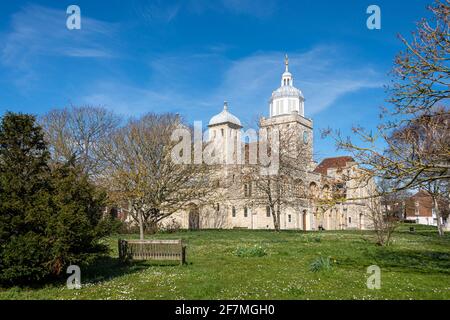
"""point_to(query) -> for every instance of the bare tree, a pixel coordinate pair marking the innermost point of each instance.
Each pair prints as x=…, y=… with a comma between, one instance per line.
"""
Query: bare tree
x=141, y=170
x=412, y=147
x=382, y=219
x=421, y=72
x=439, y=195
x=78, y=133
x=286, y=187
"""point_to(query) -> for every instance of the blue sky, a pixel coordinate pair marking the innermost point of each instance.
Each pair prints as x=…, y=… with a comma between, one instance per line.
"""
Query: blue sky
x=189, y=56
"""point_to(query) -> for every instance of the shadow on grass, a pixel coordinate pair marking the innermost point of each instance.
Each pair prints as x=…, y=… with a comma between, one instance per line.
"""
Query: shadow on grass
x=108, y=268
x=103, y=269
x=417, y=261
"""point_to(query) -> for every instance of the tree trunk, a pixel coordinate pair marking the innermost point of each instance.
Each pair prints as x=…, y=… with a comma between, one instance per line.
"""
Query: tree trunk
x=141, y=225
x=276, y=220
x=276, y=224
x=438, y=216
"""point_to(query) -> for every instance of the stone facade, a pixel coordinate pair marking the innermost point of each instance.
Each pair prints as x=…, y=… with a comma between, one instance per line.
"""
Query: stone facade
x=236, y=205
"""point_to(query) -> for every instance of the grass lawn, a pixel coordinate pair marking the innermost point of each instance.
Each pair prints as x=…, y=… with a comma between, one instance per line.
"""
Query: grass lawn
x=416, y=266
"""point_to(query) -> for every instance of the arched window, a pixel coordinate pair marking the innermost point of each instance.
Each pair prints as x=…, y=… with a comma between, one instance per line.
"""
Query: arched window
x=313, y=190
x=326, y=192
x=300, y=188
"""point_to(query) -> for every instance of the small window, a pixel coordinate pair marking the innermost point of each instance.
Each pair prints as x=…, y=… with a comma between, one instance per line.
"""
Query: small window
x=349, y=219
x=268, y=211
x=221, y=130
x=289, y=218
x=245, y=212
x=305, y=137
x=233, y=212
x=218, y=207
x=248, y=190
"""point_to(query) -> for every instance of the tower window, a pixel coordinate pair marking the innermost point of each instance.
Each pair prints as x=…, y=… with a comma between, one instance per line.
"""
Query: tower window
x=305, y=137
x=289, y=218
x=245, y=212
x=349, y=219
x=221, y=130
x=268, y=212
x=248, y=190
x=233, y=211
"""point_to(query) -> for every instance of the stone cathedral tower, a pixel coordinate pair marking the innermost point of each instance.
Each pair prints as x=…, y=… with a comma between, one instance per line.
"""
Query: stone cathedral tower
x=287, y=111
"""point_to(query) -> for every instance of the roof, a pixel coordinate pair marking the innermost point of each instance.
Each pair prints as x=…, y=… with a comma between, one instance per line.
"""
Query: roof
x=421, y=194
x=224, y=117
x=337, y=162
x=287, y=91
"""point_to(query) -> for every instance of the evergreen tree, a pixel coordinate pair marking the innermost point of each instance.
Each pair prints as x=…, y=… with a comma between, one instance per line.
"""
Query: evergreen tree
x=49, y=217
x=25, y=198
x=78, y=225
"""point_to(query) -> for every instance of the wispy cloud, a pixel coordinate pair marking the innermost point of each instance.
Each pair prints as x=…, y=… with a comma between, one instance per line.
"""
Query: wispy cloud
x=37, y=32
x=157, y=11
x=324, y=74
x=250, y=7
x=196, y=84
x=166, y=10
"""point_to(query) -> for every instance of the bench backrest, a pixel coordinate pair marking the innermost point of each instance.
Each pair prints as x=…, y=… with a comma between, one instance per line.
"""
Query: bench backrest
x=151, y=249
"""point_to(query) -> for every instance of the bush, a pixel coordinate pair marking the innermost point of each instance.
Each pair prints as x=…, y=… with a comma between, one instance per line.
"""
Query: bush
x=170, y=227
x=49, y=218
x=321, y=264
x=255, y=251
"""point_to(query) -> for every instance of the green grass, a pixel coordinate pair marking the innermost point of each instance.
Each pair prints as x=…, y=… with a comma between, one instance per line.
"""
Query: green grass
x=416, y=266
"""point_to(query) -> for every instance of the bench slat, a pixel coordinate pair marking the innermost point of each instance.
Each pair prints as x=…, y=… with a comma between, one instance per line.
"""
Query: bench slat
x=152, y=250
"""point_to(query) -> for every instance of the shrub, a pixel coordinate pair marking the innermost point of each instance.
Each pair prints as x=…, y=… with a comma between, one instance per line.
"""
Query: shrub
x=170, y=227
x=321, y=264
x=49, y=217
x=255, y=251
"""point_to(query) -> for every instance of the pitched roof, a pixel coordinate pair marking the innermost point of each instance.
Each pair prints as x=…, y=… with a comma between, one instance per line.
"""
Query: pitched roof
x=337, y=162
x=421, y=194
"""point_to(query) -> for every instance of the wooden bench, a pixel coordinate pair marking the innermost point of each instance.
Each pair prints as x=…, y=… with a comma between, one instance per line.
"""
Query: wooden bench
x=152, y=250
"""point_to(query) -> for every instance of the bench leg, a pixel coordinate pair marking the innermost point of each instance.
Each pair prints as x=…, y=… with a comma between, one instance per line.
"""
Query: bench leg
x=183, y=255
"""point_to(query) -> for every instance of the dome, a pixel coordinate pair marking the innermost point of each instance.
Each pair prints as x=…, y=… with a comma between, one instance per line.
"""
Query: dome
x=287, y=99
x=224, y=117
x=287, y=91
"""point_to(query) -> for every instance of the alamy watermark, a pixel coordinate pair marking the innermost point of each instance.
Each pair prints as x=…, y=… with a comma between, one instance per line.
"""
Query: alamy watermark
x=74, y=280
x=374, y=280
x=227, y=146
x=374, y=20
x=73, y=21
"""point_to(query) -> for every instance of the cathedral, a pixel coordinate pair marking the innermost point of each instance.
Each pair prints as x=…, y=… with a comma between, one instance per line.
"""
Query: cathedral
x=309, y=203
